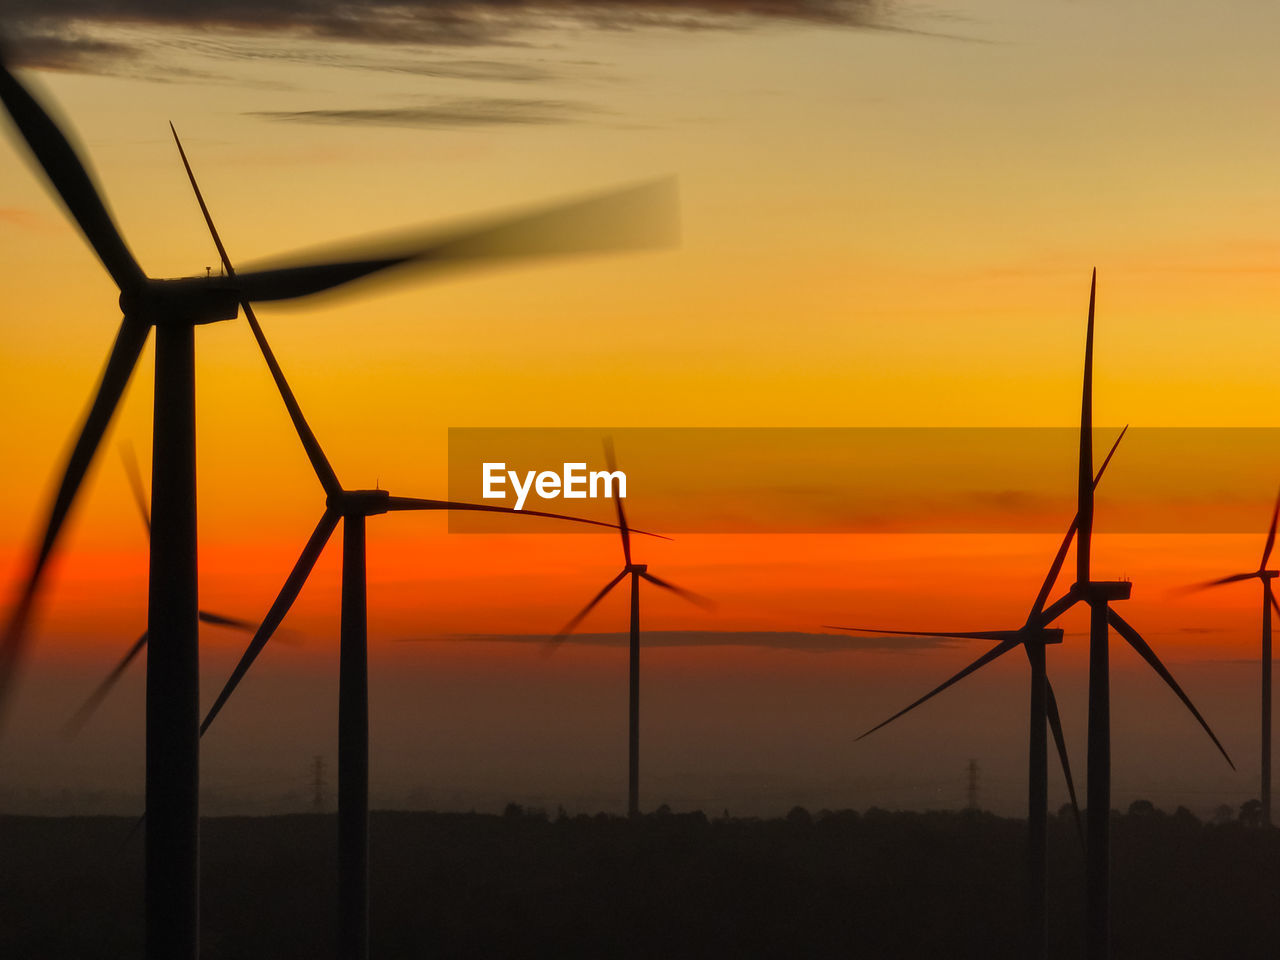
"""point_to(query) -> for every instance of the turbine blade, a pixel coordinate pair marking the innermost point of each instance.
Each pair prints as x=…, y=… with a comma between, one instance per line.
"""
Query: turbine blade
x=1209, y=584
x=998, y=650
x=996, y=635
x=288, y=593
x=220, y=621
x=131, y=470
x=695, y=598
x=1274, y=604
x=120, y=364
x=1055, y=568
x=1059, y=607
x=319, y=462
x=1271, y=536
x=1055, y=726
x=1123, y=628
x=612, y=465
x=1084, y=488
x=1097, y=477
x=70, y=178
x=416, y=503
x=94, y=700
x=572, y=625
x=633, y=218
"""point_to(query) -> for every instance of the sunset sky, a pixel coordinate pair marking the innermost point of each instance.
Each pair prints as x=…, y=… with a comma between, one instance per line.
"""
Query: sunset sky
x=890, y=212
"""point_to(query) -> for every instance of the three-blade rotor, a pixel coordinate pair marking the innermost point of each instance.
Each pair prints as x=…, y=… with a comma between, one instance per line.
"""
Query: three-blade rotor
x=1033, y=631
x=1262, y=573
x=639, y=217
x=1082, y=529
x=629, y=568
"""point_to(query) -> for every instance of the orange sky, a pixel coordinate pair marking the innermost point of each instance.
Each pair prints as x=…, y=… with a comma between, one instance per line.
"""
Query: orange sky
x=880, y=229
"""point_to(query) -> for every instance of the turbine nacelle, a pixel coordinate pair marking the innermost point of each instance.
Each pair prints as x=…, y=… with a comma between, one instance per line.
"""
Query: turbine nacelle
x=360, y=503
x=1042, y=634
x=639, y=568
x=1103, y=590
x=186, y=300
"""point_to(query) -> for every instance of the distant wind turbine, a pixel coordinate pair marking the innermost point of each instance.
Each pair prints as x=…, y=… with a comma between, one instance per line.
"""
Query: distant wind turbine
x=637, y=572
x=1264, y=577
x=100, y=692
x=352, y=507
x=1032, y=636
x=636, y=218
x=1099, y=594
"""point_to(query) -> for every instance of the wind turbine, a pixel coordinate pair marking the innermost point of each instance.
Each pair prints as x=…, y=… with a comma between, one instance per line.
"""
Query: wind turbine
x=1264, y=576
x=1032, y=636
x=637, y=572
x=352, y=507
x=1099, y=594
x=636, y=218
x=94, y=700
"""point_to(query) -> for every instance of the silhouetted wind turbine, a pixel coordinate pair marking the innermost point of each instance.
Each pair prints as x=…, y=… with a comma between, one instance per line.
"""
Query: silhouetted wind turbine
x=1032, y=636
x=637, y=572
x=1099, y=594
x=352, y=507
x=1264, y=576
x=636, y=218
x=94, y=700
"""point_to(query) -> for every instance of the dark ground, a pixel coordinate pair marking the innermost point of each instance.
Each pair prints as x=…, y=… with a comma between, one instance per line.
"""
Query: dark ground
x=877, y=885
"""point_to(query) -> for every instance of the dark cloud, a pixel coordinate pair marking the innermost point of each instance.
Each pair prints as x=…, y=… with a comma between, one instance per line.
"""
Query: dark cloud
x=439, y=20
x=452, y=113
x=71, y=50
x=68, y=34
x=778, y=640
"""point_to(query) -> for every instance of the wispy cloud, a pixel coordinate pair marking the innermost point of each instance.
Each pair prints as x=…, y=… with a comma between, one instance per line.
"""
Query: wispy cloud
x=778, y=640
x=84, y=35
x=452, y=113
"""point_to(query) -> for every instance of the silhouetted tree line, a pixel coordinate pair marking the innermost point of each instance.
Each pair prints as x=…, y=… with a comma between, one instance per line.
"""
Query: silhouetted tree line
x=526, y=883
